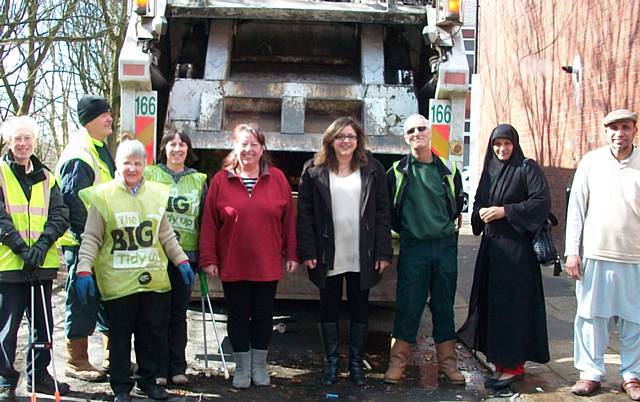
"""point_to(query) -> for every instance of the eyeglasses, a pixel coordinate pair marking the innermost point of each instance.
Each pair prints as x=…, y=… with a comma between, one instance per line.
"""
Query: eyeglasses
x=412, y=130
x=343, y=137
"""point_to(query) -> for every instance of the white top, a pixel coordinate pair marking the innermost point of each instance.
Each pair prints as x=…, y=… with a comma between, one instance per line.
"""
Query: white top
x=345, y=204
x=604, y=208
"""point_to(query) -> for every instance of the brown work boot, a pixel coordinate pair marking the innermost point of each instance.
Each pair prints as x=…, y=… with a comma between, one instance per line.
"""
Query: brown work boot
x=78, y=365
x=398, y=360
x=447, y=367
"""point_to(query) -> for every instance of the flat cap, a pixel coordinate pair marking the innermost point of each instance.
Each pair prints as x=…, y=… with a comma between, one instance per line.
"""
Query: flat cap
x=619, y=114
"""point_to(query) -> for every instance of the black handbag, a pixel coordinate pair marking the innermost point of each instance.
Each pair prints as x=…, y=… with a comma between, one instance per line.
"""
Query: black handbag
x=544, y=247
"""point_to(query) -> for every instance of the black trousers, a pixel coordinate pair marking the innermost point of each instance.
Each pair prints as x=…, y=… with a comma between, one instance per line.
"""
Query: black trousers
x=331, y=297
x=15, y=299
x=144, y=315
x=250, y=313
x=174, y=360
x=81, y=319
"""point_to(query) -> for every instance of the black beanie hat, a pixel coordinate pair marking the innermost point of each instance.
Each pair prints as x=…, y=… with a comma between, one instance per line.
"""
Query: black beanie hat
x=90, y=107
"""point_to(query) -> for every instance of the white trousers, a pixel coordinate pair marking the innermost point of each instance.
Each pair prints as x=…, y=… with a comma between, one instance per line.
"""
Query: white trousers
x=591, y=337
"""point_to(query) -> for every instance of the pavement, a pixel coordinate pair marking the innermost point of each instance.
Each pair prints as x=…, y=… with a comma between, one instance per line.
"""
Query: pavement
x=295, y=355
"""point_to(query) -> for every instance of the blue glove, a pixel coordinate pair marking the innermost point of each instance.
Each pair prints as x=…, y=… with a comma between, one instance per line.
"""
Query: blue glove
x=188, y=277
x=85, y=287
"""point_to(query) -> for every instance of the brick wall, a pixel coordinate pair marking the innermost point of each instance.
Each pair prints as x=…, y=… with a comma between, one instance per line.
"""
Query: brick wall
x=522, y=45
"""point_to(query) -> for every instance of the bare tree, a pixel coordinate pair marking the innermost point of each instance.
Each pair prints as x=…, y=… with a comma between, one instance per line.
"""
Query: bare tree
x=95, y=61
x=51, y=53
x=28, y=30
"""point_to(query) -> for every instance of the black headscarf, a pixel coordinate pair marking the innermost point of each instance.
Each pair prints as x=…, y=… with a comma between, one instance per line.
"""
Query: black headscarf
x=496, y=174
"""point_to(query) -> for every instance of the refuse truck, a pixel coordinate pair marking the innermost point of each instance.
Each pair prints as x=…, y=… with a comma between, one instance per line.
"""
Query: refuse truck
x=292, y=67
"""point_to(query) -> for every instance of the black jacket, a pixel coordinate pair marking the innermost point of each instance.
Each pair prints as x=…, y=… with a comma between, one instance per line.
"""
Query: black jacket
x=315, y=230
x=57, y=219
x=76, y=175
x=454, y=201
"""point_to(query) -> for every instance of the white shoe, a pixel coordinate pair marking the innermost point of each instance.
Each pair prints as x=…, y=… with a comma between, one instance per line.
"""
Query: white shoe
x=161, y=381
x=180, y=379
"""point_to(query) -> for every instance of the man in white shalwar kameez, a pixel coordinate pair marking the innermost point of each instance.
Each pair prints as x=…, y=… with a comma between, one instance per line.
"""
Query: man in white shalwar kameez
x=604, y=217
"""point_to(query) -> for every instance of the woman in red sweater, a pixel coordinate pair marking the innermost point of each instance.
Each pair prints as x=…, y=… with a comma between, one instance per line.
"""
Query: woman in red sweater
x=248, y=226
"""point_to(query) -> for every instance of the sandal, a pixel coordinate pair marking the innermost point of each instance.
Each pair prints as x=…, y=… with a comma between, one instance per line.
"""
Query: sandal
x=632, y=388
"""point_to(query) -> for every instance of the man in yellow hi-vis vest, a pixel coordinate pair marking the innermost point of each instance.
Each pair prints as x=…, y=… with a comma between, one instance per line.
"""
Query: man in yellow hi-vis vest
x=32, y=218
x=426, y=203
x=86, y=161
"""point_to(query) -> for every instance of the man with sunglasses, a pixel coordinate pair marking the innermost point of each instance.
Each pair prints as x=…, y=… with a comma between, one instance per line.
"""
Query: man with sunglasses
x=427, y=200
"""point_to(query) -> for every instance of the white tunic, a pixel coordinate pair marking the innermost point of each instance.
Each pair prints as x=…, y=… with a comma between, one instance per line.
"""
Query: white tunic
x=604, y=208
x=604, y=217
x=345, y=205
x=609, y=289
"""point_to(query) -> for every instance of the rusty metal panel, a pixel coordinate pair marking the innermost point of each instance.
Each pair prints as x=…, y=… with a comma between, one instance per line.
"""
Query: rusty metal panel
x=372, y=54
x=265, y=112
x=219, y=50
x=363, y=11
x=261, y=89
x=211, y=109
x=401, y=103
x=381, y=108
x=296, y=43
x=184, y=100
x=286, y=142
x=374, y=116
x=292, y=116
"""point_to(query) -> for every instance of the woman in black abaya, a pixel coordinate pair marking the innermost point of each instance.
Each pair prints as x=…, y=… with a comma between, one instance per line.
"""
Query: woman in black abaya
x=507, y=319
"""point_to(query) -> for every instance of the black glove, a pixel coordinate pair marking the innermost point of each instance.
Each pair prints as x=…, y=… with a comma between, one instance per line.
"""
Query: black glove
x=31, y=271
x=23, y=252
x=35, y=256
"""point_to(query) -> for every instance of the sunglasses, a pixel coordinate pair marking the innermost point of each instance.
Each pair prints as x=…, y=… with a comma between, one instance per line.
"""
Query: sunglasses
x=413, y=130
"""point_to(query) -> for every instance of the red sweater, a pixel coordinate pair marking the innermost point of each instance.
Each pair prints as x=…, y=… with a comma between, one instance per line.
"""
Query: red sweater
x=247, y=237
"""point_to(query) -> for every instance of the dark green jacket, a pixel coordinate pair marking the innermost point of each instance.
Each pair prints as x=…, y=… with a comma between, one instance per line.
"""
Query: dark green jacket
x=398, y=178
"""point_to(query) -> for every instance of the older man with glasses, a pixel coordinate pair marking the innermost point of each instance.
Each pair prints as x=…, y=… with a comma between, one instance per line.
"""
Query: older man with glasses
x=427, y=200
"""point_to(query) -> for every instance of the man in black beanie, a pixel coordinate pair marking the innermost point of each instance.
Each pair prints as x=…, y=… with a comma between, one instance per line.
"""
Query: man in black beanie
x=84, y=162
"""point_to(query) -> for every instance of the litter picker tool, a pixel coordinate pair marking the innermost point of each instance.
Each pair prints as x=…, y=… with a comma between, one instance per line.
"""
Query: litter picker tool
x=204, y=294
x=47, y=345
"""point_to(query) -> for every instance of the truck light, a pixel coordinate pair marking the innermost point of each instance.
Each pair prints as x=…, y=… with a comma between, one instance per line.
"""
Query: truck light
x=141, y=7
x=452, y=11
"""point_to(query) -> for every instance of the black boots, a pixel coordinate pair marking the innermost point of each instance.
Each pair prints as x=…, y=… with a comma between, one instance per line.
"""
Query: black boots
x=357, y=344
x=329, y=334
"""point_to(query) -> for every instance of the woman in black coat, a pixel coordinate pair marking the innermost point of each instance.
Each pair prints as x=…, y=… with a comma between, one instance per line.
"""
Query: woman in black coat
x=507, y=319
x=343, y=233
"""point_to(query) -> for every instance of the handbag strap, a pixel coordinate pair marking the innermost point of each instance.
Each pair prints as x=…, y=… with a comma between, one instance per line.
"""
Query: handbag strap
x=551, y=219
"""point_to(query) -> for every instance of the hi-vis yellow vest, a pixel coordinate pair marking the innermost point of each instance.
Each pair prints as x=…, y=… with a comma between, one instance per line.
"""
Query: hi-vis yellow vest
x=29, y=216
x=85, y=150
x=131, y=259
x=183, y=208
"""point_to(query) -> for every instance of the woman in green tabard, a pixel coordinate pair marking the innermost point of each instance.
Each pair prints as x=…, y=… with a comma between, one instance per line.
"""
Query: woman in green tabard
x=188, y=191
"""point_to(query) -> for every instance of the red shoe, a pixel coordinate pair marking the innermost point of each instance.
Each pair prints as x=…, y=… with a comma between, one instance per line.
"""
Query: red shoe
x=585, y=387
